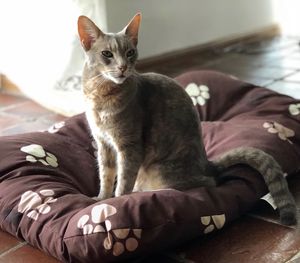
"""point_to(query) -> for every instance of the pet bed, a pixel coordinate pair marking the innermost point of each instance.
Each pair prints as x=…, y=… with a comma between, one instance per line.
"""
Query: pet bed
x=47, y=178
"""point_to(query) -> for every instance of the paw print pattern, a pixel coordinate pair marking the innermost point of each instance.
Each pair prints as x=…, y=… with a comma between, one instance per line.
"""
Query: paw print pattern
x=120, y=240
x=294, y=109
x=198, y=94
x=56, y=127
x=34, y=204
x=99, y=223
x=283, y=132
x=213, y=222
x=36, y=153
x=117, y=240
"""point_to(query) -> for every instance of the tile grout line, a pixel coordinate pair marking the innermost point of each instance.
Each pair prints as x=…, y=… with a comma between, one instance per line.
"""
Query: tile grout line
x=13, y=249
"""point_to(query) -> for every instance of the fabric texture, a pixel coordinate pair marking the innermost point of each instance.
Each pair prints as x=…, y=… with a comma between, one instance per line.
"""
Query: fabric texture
x=47, y=178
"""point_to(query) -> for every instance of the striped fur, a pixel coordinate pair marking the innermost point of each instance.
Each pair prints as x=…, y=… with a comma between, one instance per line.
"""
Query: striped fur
x=272, y=173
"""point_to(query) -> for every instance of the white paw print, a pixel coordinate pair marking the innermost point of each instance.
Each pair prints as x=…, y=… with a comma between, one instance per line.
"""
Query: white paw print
x=99, y=215
x=38, y=154
x=198, y=94
x=283, y=132
x=294, y=109
x=117, y=240
x=56, y=127
x=213, y=222
x=34, y=204
x=120, y=240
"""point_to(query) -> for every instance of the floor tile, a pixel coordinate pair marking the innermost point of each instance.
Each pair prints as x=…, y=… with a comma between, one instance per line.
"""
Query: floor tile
x=239, y=60
x=294, y=56
x=7, y=121
x=273, y=73
x=28, y=109
x=10, y=100
x=27, y=254
x=50, y=119
x=34, y=125
x=269, y=53
x=260, y=72
x=286, y=88
x=245, y=75
x=247, y=240
x=293, y=78
x=287, y=63
x=255, y=80
x=7, y=242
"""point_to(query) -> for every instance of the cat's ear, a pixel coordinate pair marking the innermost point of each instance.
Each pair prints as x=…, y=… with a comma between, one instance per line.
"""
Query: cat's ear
x=132, y=29
x=88, y=32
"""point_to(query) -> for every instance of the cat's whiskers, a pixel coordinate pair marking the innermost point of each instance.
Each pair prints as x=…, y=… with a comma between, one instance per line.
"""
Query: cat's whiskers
x=96, y=77
x=97, y=80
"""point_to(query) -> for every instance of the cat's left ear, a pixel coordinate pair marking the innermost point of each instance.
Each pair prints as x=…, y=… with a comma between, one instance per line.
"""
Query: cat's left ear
x=132, y=29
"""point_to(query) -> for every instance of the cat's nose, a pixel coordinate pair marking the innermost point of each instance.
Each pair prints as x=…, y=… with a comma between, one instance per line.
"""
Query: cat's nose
x=122, y=68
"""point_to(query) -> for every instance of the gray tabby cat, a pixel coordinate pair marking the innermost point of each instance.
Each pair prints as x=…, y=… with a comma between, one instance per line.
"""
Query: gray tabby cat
x=146, y=128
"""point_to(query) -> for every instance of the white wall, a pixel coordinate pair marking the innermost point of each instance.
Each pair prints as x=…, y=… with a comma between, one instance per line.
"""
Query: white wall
x=288, y=16
x=169, y=25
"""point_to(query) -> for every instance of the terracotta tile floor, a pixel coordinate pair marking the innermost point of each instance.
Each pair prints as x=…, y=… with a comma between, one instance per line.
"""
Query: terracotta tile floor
x=272, y=62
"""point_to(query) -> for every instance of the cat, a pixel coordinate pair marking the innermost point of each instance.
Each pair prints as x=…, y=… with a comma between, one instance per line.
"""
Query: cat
x=147, y=129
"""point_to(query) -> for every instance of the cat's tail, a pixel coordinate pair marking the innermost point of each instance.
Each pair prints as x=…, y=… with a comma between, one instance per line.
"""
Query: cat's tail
x=272, y=173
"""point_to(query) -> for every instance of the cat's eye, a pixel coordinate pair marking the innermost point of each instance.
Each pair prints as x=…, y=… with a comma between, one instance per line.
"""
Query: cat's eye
x=107, y=54
x=130, y=53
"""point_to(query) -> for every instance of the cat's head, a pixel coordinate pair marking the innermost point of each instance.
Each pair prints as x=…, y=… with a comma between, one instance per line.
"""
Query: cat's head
x=111, y=54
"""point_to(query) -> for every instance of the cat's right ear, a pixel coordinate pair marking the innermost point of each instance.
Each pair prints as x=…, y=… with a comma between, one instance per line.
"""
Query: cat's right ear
x=88, y=32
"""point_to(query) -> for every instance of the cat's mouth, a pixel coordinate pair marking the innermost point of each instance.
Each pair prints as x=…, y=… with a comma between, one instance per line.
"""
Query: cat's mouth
x=119, y=79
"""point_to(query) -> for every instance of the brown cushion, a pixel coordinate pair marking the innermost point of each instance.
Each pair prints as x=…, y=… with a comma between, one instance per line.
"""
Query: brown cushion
x=47, y=178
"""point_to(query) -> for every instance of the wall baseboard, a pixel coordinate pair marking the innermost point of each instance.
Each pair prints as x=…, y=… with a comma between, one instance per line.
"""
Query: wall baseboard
x=266, y=32
x=7, y=86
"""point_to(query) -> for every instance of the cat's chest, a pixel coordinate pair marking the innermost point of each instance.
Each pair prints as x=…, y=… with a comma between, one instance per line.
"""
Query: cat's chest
x=103, y=127
x=100, y=120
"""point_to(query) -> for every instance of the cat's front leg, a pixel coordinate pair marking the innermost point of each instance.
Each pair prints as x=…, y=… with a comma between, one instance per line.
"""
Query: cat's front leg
x=107, y=170
x=129, y=161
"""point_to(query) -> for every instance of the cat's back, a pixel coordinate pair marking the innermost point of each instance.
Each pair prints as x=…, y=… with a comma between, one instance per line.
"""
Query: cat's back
x=160, y=89
x=167, y=107
x=158, y=82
